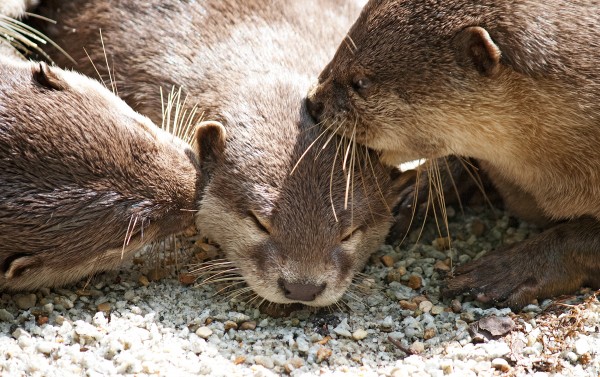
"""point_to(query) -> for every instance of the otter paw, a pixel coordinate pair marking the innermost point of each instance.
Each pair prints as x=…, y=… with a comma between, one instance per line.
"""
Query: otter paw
x=510, y=277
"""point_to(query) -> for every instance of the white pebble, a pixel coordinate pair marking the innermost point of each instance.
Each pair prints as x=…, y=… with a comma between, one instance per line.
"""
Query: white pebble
x=417, y=347
x=582, y=345
x=302, y=344
x=359, y=334
x=204, y=332
x=425, y=306
x=265, y=361
x=45, y=347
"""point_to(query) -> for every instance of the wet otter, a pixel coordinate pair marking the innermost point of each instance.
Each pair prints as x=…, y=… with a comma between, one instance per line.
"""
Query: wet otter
x=513, y=84
x=85, y=179
x=248, y=64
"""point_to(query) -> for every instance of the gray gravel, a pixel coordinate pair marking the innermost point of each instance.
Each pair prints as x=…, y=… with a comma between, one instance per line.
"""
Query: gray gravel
x=394, y=324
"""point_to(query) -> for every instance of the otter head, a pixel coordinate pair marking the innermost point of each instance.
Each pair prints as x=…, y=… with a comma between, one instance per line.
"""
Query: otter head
x=415, y=79
x=297, y=220
x=86, y=179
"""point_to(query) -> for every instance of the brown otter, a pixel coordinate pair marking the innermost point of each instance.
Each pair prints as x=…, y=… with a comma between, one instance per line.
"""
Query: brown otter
x=248, y=64
x=513, y=84
x=85, y=179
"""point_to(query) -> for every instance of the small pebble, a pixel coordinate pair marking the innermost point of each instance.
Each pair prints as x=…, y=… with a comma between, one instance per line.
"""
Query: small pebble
x=417, y=347
x=415, y=282
x=187, y=279
x=323, y=354
x=129, y=295
x=425, y=306
x=26, y=301
x=293, y=364
x=6, y=316
x=501, y=364
x=204, y=332
x=248, y=325
x=456, y=306
x=64, y=302
x=467, y=317
x=429, y=333
x=477, y=227
x=230, y=325
x=442, y=243
x=437, y=309
x=239, y=360
x=441, y=266
x=265, y=361
x=387, y=260
x=45, y=347
x=143, y=280
x=359, y=334
x=104, y=307
x=407, y=305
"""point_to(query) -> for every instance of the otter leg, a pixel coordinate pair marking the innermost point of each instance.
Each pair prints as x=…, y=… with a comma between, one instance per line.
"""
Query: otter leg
x=460, y=180
x=558, y=261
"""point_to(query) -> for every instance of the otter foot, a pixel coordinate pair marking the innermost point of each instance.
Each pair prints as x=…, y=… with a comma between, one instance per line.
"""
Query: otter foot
x=557, y=261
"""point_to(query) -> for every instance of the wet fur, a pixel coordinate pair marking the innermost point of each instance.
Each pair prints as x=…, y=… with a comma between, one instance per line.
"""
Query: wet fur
x=248, y=65
x=513, y=84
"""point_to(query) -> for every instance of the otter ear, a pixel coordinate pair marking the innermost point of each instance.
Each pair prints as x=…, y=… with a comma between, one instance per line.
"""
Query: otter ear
x=45, y=76
x=209, y=143
x=475, y=46
x=17, y=265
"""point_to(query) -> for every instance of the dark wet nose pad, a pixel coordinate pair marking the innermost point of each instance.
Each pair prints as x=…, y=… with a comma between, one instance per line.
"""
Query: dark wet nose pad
x=315, y=108
x=300, y=291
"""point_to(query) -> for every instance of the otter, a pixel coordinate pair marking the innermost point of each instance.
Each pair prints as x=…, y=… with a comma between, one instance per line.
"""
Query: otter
x=513, y=85
x=296, y=221
x=86, y=180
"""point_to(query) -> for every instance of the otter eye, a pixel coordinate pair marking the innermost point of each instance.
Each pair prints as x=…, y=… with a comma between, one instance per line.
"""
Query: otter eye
x=262, y=225
x=350, y=234
x=360, y=84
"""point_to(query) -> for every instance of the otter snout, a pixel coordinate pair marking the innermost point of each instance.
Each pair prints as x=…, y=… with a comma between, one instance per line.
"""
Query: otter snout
x=314, y=106
x=300, y=291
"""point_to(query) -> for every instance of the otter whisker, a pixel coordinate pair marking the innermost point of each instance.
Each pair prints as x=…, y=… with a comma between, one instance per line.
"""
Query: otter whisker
x=333, y=134
x=379, y=190
x=23, y=37
x=238, y=292
x=350, y=171
x=331, y=180
x=110, y=76
x=214, y=274
x=212, y=262
x=209, y=266
x=476, y=178
x=438, y=188
x=307, y=150
x=415, y=201
x=95, y=68
x=453, y=182
x=352, y=46
x=205, y=282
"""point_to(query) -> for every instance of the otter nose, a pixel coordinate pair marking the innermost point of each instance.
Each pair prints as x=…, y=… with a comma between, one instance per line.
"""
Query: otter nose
x=315, y=107
x=300, y=291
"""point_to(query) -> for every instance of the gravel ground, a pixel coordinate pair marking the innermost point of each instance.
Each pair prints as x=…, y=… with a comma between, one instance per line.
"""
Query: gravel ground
x=138, y=322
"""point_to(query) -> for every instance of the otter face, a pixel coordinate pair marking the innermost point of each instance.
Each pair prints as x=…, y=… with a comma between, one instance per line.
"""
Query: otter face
x=286, y=230
x=408, y=80
x=86, y=180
